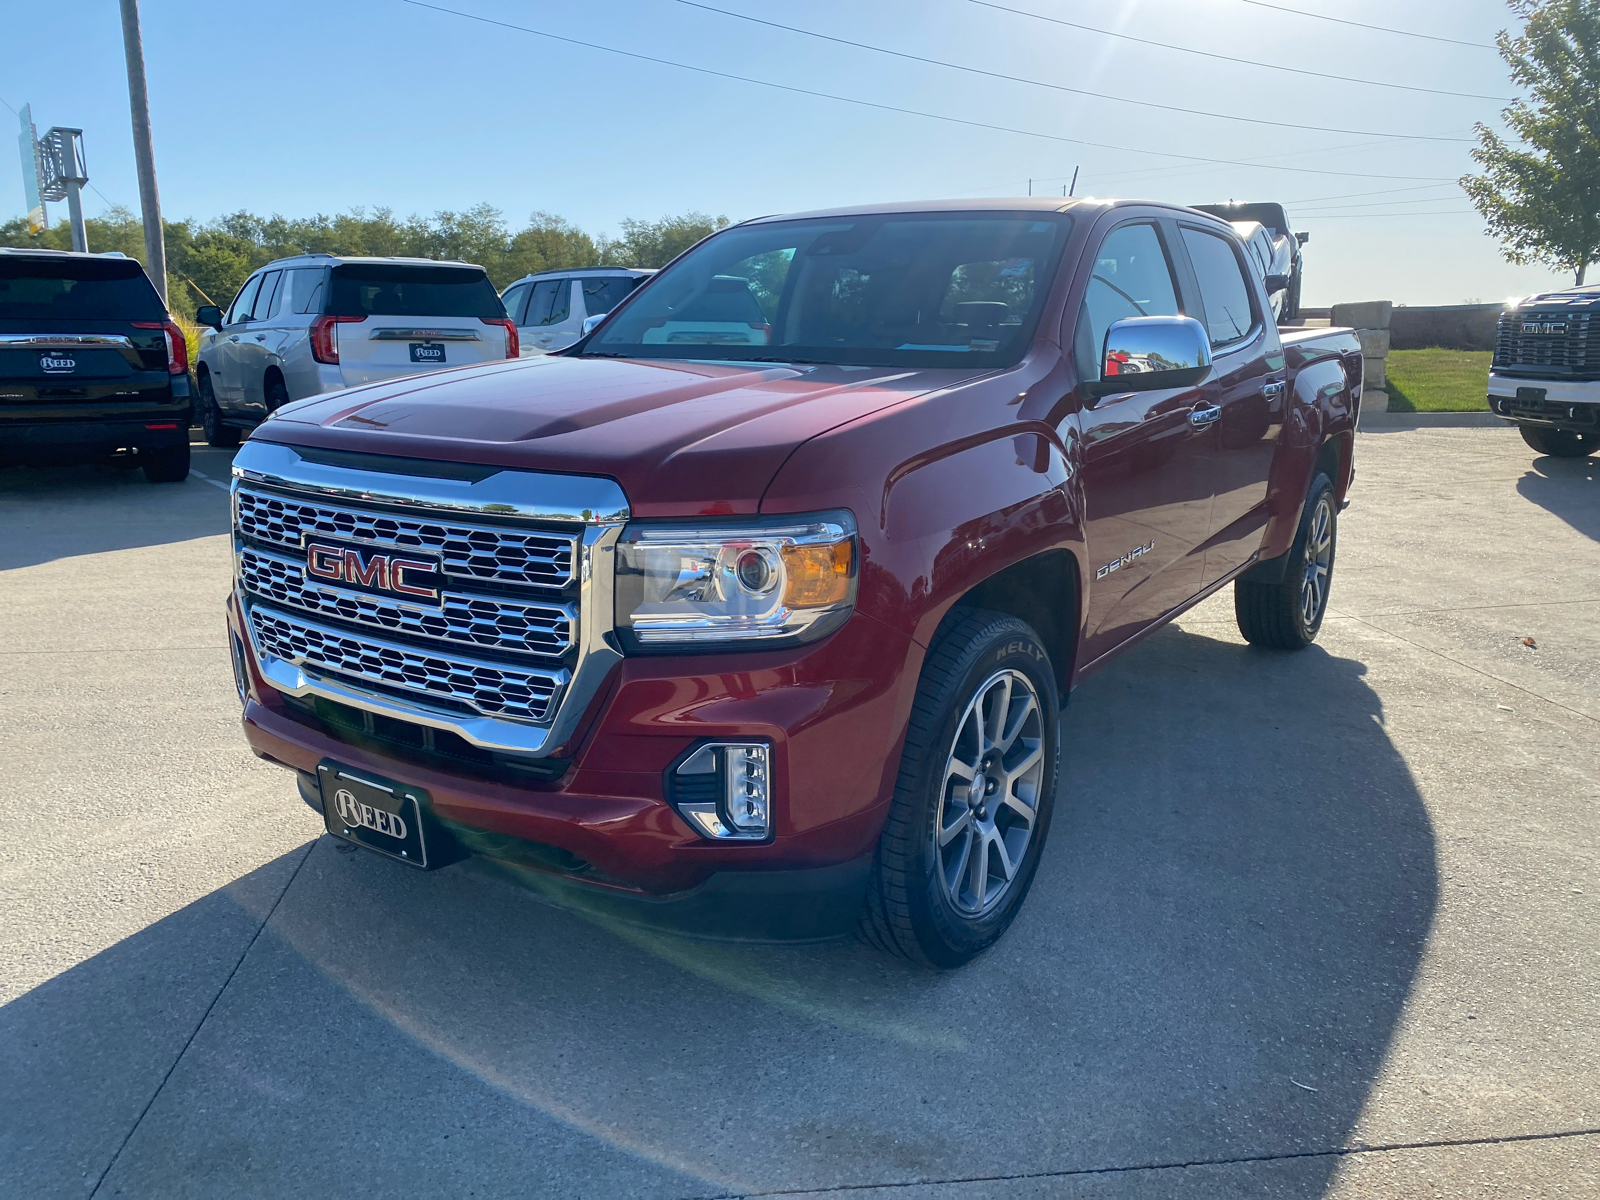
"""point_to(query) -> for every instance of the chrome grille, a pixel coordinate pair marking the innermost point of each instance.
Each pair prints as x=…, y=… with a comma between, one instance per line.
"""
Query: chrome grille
x=492, y=689
x=462, y=619
x=484, y=552
x=1568, y=352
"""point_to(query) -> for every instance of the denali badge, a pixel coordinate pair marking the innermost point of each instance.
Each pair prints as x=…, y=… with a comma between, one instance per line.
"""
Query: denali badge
x=353, y=813
x=379, y=572
x=55, y=364
x=1117, y=564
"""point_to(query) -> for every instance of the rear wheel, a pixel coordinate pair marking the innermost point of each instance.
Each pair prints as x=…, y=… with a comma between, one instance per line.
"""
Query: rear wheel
x=1560, y=443
x=217, y=434
x=276, y=393
x=1287, y=615
x=973, y=800
x=170, y=464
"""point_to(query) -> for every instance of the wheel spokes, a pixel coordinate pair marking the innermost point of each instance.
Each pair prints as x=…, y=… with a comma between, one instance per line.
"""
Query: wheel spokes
x=947, y=833
x=1029, y=706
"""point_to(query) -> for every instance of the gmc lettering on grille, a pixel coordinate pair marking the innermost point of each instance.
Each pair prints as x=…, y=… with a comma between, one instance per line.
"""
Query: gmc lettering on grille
x=341, y=564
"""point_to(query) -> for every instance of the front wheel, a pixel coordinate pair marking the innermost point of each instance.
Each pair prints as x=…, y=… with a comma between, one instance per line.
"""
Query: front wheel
x=1560, y=443
x=217, y=433
x=972, y=803
x=1287, y=615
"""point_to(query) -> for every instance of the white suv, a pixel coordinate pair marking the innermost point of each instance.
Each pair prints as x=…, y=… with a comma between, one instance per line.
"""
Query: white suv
x=550, y=308
x=315, y=323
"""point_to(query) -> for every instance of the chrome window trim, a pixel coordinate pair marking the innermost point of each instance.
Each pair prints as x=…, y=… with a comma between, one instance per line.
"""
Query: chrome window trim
x=534, y=496
x=73, y=341
x=596, y=502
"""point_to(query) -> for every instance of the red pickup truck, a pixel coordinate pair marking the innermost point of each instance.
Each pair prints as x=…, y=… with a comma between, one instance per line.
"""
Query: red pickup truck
x=753, y=613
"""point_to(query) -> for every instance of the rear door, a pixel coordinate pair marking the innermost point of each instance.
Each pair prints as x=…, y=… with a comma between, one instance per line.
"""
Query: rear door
x=413, y=317
x=1146, y=481
x=1245, y=392
x=252, y=351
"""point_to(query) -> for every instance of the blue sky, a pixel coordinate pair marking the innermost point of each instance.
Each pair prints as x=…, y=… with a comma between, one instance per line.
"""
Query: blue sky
x=299, y=107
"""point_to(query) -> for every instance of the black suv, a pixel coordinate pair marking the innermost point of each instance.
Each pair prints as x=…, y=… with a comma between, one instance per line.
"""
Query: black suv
x=91, y=365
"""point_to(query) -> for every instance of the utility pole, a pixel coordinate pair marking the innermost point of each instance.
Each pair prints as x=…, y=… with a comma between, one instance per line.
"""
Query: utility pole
x=155, y=241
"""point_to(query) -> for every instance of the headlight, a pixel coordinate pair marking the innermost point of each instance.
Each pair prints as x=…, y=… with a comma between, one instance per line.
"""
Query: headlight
x=781, y=579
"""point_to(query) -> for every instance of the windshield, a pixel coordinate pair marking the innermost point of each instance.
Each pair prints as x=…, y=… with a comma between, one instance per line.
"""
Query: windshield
x=80, y=289
x=376, y=290
x=939, y=290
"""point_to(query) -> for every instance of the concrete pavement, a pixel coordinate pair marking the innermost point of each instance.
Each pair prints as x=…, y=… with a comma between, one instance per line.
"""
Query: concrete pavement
x=1319, y=925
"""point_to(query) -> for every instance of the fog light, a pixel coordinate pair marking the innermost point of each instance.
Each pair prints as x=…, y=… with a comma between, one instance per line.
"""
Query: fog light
x=724, y=790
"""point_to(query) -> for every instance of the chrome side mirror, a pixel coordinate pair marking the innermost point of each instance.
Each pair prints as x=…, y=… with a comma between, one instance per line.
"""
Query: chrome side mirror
x=590, y=322
x=1145, y=354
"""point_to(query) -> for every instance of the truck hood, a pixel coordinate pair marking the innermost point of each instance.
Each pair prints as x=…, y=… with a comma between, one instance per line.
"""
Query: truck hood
x=682, y=438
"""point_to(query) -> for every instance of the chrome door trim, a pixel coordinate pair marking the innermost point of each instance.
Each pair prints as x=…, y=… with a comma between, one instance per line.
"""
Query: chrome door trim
x=530, y=495
x=73, y=341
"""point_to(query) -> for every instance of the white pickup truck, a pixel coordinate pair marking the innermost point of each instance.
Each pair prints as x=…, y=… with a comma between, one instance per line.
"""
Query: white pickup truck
x=1546, y=374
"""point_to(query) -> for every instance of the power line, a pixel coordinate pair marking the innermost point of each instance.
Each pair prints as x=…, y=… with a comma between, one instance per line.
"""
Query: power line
x=1247, y=62
x=1446, y=212
x=1056, y=87
x=911, y=112
x=1384, y=203
x=1300, y=12
x=1380, y=192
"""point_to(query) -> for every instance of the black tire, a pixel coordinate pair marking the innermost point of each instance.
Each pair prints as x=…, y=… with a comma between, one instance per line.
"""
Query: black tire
x=276, y=393
x=1560, y=443
x=167, y=465
x=920, y=882
x=217, y=433
x=1283, y=616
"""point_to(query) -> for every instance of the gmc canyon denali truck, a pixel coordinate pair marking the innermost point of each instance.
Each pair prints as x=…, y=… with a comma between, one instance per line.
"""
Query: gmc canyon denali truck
x=753, y=612
x=91, y=366
x=1545, y=378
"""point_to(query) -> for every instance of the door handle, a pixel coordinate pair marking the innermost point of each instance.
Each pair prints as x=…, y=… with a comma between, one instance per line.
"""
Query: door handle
x=1274, y=388
x=1201, y=417
x=233, y=337
x=261, y=337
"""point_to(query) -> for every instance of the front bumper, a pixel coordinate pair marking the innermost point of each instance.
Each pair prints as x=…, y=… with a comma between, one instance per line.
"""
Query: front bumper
x=1547, y=403
x=600, y=835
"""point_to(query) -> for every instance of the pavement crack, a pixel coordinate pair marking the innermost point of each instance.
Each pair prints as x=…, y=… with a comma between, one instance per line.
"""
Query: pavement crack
x=1336, y=1152
x=1400, y=637
x=204, y=1017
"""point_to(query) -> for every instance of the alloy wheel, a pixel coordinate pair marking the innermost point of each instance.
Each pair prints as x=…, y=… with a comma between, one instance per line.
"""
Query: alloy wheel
x=1319, y=561
x=989, y=797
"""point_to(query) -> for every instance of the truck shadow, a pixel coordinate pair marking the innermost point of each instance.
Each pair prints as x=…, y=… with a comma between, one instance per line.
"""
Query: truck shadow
x=66, y=511
x=1567, y=487
x=1212, y=962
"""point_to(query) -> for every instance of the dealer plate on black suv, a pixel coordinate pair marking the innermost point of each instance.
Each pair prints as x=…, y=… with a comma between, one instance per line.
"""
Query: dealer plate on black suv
x=427, y=352
x=374, y=812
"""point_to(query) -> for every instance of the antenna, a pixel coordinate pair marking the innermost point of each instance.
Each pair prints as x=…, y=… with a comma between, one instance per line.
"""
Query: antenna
x=1072, y=191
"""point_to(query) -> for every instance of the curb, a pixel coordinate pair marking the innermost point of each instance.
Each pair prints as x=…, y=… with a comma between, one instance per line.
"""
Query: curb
x=1374, y=421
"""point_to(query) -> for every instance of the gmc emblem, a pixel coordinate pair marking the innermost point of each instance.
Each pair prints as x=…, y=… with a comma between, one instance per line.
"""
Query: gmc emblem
x=379, y=572
x=1544, y=327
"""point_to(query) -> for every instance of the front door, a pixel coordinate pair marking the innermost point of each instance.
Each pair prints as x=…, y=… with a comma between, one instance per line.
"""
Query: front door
x=253, y=348
x=1246, y=392
x=1147, y=478
x=227, y=381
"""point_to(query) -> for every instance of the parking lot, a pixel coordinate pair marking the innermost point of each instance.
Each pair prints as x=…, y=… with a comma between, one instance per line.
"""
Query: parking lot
x=1313, y=924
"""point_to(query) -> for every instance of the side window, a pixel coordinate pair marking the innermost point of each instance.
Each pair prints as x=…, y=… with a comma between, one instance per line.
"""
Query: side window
x=513, y=299
x=243, y=301
x=603, y=293
x=1131, y=278
x=303, y=288
x=267, y=299
x=560, y=303
x=540, y=299
x=1223, y=288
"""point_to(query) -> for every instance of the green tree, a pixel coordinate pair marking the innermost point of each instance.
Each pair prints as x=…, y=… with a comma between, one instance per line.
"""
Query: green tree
x=656, y=243
x=1542, y=198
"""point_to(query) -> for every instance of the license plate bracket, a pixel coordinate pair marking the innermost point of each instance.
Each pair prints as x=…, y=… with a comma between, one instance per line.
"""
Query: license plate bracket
x=374, y=812
x=427, y=352
x=1528, y=397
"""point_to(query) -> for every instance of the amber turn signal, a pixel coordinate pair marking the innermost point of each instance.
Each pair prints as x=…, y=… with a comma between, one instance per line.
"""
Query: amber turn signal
x=817, y=575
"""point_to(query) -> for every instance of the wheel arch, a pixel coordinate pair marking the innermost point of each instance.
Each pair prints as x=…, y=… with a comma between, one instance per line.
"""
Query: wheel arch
x=1045, y=590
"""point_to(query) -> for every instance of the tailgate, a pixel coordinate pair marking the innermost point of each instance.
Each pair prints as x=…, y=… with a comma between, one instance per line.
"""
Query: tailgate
x=384, y=347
